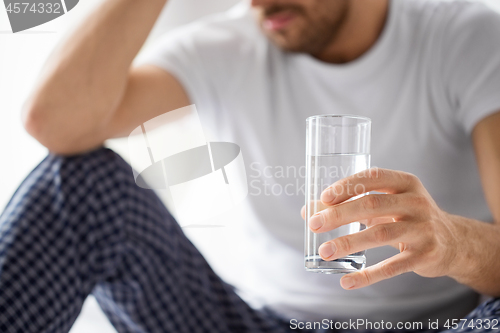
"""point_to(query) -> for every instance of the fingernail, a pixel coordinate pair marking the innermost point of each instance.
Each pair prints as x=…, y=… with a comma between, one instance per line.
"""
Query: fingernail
x=347, y=282
x=328, y=195
x=316, y=222
x=326, y=250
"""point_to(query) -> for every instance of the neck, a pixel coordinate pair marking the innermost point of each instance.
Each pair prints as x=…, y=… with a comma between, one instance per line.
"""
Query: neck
x=362, y=27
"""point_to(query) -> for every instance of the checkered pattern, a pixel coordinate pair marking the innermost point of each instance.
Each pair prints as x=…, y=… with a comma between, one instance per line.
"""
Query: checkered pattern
x=79, y=225
x=484, y=318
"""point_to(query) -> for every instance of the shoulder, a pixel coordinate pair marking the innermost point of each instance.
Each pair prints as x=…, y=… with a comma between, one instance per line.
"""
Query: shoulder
x=470, y=36
x=453, y=33
x=471, y=20
x=228, y=33
x=458, y=20
x=465, y=47
x=213, y=55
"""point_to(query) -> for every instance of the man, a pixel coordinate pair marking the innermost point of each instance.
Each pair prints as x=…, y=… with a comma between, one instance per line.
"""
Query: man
x=426, y=73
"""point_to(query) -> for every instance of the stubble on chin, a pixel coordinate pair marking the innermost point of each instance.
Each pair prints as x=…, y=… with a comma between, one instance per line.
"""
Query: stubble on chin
x=309, y=34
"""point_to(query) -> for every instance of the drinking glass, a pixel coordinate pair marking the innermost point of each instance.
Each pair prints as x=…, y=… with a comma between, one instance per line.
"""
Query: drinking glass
x=337, y=146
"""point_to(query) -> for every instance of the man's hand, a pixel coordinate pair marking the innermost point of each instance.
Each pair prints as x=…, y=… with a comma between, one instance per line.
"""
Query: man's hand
x=431, y=242
x=406, y=216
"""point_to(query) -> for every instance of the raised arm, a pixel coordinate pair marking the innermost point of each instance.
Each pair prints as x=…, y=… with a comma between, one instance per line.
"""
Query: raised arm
x=88, y=92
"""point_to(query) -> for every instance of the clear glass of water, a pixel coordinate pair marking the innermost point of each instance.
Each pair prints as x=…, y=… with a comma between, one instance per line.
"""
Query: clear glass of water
x=337, y=146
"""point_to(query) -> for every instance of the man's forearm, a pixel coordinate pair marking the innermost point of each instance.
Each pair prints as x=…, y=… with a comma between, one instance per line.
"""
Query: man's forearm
x=477, y=264
x=86, y=76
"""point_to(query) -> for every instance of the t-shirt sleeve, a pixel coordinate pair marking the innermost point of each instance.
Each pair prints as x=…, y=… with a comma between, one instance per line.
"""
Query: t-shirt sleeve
x=178, y=53
x=472, y=64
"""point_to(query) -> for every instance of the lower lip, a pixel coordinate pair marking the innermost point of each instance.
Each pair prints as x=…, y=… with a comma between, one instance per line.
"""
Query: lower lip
x=277, y=23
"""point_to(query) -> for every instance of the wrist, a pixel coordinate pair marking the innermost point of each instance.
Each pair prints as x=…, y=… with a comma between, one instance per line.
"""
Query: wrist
x=464, y=264
x=476, y=245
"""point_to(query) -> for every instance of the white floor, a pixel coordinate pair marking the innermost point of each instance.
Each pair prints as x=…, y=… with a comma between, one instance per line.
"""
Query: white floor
x=92, y=319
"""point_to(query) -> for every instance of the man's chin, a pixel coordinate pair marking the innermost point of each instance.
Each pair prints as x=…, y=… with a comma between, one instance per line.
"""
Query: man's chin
x=286, y=44
x=288, y=39
x=281, y=39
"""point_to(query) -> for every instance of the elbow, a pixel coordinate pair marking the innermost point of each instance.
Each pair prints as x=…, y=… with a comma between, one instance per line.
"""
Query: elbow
x=36, y=121
x=60, y=131
x=32, y=120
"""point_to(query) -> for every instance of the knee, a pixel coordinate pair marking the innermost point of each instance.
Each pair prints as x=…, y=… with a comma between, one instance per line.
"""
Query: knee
x=63, y=189
x=67, y=212
x=96, y=166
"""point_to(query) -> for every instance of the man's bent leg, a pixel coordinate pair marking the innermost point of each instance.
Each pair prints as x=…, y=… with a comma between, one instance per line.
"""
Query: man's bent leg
x=78, y=224
x=484, y=318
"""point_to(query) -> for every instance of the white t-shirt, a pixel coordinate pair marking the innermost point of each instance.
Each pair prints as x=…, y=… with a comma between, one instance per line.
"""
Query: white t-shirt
x=431, y=76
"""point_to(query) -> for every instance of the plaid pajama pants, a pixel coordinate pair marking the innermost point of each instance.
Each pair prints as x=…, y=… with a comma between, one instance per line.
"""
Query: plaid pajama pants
x=79, y=225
